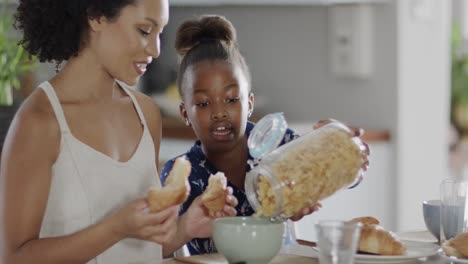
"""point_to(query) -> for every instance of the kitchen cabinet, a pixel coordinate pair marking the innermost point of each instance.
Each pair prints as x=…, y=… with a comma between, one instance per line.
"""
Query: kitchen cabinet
x=175, y=129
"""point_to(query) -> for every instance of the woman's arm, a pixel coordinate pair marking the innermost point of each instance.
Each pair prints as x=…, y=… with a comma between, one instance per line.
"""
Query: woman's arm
x=30, y=150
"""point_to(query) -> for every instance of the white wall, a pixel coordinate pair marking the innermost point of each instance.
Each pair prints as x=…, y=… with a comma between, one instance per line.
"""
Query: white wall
x=423, y=108
x=287, y=50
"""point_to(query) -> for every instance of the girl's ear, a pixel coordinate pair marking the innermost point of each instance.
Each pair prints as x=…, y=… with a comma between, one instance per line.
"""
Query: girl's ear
x=251, y=103
x=183, y=113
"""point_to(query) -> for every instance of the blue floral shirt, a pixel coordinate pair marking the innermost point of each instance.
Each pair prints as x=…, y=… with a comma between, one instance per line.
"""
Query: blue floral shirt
x=201, y=170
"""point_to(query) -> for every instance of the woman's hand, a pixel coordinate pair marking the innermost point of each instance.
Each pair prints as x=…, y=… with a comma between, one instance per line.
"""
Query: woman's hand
x=306, y=211
x=136, y=221
x=198, y=222
x=230, y=206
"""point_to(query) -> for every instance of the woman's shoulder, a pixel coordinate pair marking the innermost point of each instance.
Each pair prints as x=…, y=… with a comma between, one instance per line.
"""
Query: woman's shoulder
x=147, y=104
x=151, y=112
x=35, y=126
x=36, y=111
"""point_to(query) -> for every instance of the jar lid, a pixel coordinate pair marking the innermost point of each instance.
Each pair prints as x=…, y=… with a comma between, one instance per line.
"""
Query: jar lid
x=267, y=134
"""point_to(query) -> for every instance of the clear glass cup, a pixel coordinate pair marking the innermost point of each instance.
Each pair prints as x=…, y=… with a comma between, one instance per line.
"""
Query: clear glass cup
x=453, y=208
x=337, y=241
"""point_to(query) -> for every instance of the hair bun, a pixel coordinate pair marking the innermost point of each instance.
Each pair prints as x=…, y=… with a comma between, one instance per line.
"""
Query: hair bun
x=204, y=28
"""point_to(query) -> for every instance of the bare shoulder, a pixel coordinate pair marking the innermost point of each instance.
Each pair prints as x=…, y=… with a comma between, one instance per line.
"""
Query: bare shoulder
x=150, y=110
x=37, y=111
x=34, y=128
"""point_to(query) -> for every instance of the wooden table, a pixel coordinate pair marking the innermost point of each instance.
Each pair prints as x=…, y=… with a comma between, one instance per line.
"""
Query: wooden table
x=218, y=259
x=281, y=258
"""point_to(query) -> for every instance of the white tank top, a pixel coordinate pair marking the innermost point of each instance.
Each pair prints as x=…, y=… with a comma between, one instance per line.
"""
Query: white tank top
x=87, y=185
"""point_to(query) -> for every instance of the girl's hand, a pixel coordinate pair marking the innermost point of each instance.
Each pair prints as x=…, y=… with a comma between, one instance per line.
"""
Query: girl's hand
x=306, y=211
x=136, y=221
x=198, y=222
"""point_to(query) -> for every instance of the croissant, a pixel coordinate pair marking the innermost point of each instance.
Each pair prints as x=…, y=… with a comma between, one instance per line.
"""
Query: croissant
x=366, y=220
x=457, y=246
x=214, y=196
x=176, y=190
x=375, y=239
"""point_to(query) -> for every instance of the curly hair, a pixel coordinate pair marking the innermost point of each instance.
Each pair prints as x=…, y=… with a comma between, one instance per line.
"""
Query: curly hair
x=208, y=37
x=55, y=30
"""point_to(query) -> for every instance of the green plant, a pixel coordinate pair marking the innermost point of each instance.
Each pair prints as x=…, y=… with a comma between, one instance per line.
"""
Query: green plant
x=459, y=81
x=459, y=67
x=14, y=60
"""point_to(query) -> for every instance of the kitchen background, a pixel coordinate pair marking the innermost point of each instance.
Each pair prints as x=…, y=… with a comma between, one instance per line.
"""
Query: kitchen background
x=380, y=65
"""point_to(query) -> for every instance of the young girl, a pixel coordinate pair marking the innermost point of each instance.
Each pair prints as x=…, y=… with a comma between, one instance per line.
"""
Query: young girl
x=82, y=150
x=214, y=83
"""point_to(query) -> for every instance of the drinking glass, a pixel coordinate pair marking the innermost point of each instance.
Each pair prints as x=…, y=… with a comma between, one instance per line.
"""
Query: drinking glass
x=453, y=208
x=337, y=241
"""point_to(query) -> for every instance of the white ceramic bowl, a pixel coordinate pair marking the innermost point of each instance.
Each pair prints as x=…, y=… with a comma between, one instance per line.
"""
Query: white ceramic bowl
x=249, y=240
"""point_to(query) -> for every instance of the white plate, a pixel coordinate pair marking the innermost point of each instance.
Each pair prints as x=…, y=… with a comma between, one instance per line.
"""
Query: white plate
x=452, y=259
x=419, y=236
x=414, y=250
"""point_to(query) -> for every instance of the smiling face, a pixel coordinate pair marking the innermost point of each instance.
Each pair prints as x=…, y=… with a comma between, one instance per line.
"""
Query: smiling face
x=124, y=46
x=216, y=102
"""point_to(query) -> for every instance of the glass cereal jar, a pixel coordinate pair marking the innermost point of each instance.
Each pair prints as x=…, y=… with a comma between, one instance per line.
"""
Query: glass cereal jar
x=284, y=180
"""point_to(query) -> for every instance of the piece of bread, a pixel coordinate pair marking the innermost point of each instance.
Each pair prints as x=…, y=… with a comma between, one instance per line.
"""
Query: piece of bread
x=176, y=189
x=457, y=246
x=450, y=251
x=214, y=197
x=376, y=240
x=366, y=220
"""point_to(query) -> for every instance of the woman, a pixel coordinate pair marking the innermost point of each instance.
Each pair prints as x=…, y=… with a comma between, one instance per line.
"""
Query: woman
x=82, y=150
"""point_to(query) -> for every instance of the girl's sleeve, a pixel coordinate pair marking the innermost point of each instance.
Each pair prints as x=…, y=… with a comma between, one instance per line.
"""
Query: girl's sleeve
x=165, y=171
x=289, y=135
